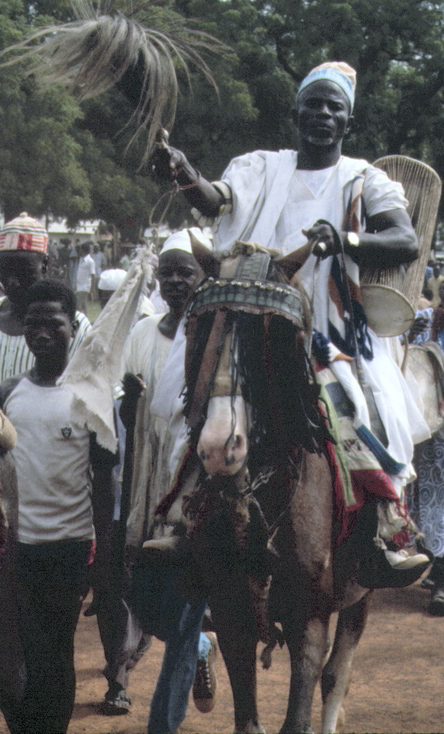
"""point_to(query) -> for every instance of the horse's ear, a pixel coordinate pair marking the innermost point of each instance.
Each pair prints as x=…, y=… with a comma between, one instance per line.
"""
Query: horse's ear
x=291, y=263
x=207, y=261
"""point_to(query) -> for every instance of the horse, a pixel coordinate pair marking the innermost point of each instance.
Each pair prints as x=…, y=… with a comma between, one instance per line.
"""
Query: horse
x=261, y=516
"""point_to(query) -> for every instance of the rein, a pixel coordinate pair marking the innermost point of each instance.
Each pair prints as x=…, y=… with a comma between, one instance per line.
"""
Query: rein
x=263, y=478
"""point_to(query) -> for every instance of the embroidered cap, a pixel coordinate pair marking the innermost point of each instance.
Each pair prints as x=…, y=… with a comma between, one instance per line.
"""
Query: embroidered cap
x=333, y=71
x=24, y=233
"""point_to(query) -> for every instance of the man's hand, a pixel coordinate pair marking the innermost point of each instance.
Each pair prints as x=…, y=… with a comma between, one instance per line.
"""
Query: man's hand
x=168, y=163
x=419, y=325
x=133, y=386
x=325, y=245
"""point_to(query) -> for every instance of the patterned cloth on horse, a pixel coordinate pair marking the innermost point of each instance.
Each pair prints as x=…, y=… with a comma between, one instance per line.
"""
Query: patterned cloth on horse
x=358, y=476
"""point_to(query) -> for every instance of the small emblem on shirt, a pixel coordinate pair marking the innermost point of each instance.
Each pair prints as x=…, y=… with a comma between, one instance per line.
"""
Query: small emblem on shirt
x=66, y=431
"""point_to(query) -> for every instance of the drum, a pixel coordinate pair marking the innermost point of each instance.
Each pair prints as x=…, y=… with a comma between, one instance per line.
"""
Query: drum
x=387, y=291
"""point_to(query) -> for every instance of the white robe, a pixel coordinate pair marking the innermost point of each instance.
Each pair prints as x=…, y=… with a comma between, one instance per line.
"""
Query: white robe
x=271, y=204
x=146, y=353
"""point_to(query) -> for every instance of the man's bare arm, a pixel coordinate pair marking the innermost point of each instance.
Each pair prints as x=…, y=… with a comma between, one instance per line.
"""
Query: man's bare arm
x=389, y=240
x=170, y=164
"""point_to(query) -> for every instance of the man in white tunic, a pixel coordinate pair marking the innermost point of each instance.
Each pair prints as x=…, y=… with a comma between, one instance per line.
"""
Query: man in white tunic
x=281, y=198
x=189, y=653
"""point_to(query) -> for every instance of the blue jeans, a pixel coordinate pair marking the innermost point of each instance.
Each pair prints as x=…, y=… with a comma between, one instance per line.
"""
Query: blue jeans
x=184, y=644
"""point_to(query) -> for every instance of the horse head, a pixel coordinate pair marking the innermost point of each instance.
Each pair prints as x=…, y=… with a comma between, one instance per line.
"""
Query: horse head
x=249, y=385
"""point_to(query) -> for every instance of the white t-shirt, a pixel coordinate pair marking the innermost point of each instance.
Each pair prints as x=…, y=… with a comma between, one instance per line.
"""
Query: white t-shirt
x=52, y=459
x=85, y=271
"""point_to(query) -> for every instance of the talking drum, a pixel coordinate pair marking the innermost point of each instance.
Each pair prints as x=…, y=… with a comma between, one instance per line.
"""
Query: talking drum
x=390, y=295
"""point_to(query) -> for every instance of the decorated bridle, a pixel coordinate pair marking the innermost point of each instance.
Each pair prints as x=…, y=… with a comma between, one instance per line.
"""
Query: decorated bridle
x=241, y=286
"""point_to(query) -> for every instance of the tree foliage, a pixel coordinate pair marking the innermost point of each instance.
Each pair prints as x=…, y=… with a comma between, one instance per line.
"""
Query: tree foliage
x=63, y=159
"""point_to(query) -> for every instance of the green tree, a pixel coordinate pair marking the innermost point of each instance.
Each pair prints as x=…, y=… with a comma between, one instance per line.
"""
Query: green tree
x=65, y=159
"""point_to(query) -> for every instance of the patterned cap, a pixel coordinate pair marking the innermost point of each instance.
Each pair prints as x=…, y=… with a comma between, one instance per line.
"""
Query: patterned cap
x=334, y=71
x=24, y=233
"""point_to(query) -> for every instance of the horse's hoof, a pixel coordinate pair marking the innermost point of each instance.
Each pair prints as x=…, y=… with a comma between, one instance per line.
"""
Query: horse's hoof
x=341, y=719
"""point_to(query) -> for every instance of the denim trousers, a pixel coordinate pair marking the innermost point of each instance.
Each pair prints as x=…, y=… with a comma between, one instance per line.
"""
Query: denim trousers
x=184, y=642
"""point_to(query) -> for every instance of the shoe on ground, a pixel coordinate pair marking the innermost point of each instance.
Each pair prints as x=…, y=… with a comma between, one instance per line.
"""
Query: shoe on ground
x=428, y=583
x=116, y=704
x=402, y=561
x=436, y=606
x=205, y=681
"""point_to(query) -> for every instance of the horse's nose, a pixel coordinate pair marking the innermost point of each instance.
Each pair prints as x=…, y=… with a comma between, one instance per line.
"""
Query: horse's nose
x=222, y=457
x=235, y=450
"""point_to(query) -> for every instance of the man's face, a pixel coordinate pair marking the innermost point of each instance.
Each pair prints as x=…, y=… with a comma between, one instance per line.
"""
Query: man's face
x=322, y=114
x=48, y=330
x=18, y=271
x=436, y=271
x=178, y=275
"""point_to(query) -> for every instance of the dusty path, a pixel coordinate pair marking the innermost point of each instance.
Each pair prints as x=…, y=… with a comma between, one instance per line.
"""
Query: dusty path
x=397, y=686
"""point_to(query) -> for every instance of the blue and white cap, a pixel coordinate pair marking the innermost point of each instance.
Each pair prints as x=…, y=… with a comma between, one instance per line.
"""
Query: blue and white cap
x=334, y=71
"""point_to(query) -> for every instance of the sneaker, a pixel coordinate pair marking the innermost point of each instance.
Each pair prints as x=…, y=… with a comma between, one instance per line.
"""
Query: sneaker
x=427, y=583
x=402, y=561
x=436, y=606
x=205, y=680
x=116, y=704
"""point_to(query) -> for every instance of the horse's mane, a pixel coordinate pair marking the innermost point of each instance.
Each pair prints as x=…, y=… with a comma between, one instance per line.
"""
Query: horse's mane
x=271, y=365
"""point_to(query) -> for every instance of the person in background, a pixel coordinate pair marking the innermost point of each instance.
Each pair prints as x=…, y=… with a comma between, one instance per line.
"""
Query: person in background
x=426, y=498
x=101, y=263
x=53, y=254
x=425, y=300
x=428, y=272
x=434, y=282
x=53, y=460
x=125, y=261
x=109, y=282
x=85, y=274
x=190, y=654
x=23, y=261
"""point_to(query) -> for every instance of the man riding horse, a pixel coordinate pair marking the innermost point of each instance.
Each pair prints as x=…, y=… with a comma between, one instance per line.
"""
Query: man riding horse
x=353, y=215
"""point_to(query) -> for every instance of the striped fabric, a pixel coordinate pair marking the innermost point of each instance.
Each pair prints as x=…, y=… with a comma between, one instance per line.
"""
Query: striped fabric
x=15, y=357
x=340, y=325
x=24, y=233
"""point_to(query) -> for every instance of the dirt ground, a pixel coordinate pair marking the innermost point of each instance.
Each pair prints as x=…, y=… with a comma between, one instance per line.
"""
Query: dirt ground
x=397, y=684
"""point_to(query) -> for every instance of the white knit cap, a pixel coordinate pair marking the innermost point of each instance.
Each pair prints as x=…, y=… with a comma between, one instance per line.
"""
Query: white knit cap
x=182, y=240
x=110, y=280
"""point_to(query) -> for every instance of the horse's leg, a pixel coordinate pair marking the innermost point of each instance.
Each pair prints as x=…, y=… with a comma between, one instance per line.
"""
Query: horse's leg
x=336, y=674
x=238, y=641
x=306, y=643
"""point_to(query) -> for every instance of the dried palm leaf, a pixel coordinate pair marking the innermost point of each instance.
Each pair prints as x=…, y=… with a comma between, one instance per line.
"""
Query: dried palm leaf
x=96, y=52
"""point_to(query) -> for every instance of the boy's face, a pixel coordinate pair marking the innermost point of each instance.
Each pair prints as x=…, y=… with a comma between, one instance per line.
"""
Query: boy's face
x=18, y=271
x=48, y=330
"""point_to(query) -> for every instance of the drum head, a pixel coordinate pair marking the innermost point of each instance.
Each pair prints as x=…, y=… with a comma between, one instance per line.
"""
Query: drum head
x=388, y=312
